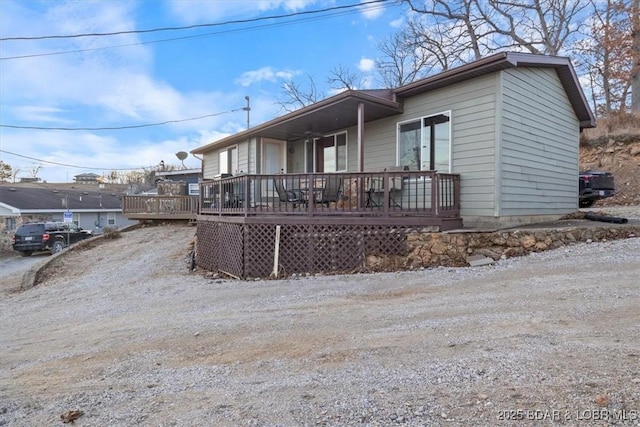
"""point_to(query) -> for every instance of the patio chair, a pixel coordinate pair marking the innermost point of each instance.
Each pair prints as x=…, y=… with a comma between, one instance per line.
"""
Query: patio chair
x=376, y=186
x=331, y=191
x=295, y=197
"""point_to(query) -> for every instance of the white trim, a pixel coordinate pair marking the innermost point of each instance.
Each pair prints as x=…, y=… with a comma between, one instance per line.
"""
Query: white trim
x=346, y=148
x=497, y=169
x=115, y=219
x=13, y=209
x=227, y=149
x=193, y=189
x=449, y=113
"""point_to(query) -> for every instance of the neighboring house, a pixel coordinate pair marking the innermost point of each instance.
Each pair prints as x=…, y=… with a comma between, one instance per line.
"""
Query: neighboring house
x=491, y=144
x=189, y=177
x=86, y=178
x=90, y=210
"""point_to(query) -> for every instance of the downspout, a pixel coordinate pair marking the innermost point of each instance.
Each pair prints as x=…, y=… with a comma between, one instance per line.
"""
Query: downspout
x=201, y=164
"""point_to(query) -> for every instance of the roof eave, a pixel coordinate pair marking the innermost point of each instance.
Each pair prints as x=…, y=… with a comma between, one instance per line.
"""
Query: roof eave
x=388, y=100
x=504, y=60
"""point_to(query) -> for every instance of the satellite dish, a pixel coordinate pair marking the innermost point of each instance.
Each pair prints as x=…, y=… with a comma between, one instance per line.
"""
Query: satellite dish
x=181, y=155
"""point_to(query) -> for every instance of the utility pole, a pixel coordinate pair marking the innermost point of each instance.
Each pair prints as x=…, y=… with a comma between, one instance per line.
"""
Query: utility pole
x=247, y=109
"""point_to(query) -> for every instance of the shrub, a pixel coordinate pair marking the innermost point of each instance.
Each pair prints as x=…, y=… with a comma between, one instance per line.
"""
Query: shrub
x=620, y=127
x=111, y=233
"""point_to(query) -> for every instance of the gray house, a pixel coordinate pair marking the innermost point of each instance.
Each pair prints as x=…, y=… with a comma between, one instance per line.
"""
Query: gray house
x=491, y=144
x=90, y=210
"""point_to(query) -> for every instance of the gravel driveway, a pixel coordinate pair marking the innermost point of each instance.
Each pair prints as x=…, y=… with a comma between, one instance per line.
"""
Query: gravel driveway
x=133, y=338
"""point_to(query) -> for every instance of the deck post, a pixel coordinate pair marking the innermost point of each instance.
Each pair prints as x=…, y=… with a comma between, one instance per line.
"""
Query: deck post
x=361, y=153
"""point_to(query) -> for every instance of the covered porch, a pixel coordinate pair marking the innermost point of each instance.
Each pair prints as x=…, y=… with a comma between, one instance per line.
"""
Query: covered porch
x=387, y=197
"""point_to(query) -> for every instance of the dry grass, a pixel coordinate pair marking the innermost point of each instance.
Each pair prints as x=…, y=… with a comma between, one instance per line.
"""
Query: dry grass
x=620, y=127
x=111, y=233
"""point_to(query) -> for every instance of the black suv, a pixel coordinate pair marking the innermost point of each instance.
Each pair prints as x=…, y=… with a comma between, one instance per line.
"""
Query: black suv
x=595, y=185
x=52, y=236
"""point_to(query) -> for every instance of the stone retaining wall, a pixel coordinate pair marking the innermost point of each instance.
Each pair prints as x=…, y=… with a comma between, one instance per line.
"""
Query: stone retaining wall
x=427, y=249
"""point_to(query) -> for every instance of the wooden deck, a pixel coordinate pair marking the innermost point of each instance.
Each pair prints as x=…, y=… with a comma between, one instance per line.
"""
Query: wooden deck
x=418, y=198
x=160, y=207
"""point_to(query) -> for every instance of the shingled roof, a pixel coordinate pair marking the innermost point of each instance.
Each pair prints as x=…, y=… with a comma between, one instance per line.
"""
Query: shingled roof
x=38, y=199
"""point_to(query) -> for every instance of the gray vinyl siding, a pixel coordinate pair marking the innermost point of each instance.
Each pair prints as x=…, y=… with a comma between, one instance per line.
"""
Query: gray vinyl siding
x=210, y=165
x=243, y=158
x=251, y=156
x=540, y=143
x=473, y=126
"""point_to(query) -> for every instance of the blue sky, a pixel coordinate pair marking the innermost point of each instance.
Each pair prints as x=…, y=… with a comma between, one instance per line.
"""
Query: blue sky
x=108, y=85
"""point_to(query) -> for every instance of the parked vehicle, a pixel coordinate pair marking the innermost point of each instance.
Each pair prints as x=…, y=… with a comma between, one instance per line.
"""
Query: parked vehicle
x=51, y=236
x=595, y=185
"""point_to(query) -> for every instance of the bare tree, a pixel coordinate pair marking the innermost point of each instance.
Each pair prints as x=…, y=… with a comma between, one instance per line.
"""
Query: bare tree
x=537, y=26
x=14, y=174
x=605, y=56
x=401, y=63
x=35, y=169
x=297, y=97
x=342, y=78
x=635, y=72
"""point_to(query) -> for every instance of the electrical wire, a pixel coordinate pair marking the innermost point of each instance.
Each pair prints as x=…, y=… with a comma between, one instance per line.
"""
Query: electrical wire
x=258, y=27
x=73, y=166
x=120, y=127
x=188, y=27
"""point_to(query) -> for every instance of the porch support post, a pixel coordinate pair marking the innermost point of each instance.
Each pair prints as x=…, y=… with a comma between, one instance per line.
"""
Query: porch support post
x=361, y=183
x=361, y=137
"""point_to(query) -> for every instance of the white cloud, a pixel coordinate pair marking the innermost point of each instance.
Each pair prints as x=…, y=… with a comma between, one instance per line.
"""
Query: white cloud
x=206, y=10
x=397, y=23
x=371, y=11
x=366, y=65
x=39, y=114
x=265, y=73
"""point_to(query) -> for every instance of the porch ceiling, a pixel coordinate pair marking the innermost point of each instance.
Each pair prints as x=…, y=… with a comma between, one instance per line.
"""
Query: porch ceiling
x=337, y=116
x=330, y=115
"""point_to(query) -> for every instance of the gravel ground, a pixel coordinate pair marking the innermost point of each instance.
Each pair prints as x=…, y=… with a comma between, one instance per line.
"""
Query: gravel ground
x=125, y=334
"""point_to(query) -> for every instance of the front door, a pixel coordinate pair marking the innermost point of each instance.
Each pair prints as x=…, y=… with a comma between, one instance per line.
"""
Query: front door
x=273, y=157
x=273, y=162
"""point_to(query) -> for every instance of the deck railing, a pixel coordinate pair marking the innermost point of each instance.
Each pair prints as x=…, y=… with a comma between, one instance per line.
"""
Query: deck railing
x=158, y=207
x=381, y=194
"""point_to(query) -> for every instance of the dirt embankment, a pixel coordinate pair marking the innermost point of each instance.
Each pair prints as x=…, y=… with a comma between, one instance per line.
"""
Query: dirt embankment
x=615, y=147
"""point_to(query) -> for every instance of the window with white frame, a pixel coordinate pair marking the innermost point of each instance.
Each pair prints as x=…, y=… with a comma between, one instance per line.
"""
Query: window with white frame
x=194, y=189
x=331, y=153
x=111, y=219
x=425, y=143
x=228, y=160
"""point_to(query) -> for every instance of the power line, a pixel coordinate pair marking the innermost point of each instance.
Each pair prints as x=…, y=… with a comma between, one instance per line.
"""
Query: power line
x=239, y=21
x=258, y=27
x=72, y=166
x=120, y=127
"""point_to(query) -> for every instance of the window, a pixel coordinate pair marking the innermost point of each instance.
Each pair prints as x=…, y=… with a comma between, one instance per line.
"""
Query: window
x=228, y=160
x=10, y=223
x=425, y=143
x=194, y=189
x=331, y=153
x=111, y=219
